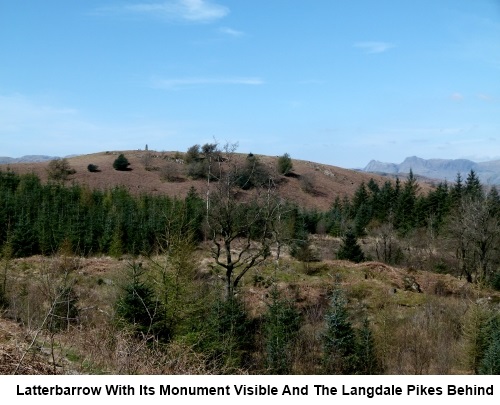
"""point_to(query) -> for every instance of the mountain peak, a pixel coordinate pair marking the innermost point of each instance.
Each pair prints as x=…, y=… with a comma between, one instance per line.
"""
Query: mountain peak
x=441, y=169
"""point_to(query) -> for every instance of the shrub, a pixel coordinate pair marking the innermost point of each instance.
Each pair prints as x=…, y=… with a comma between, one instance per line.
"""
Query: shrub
x=121, y=163
x=198, y=170
x=92, y=168
x=285, y=164
x=252, y=174
x=59, y=169
x=192, y=154
x=64, y=309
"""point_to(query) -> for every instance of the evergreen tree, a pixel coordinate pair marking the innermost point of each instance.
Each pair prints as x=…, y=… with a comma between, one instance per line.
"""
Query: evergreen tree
x=350, y=249
x=457, y=191
x=473, y=187
x=228, y=335
x=138, y=307
x=281, y=324
x=490, y=363
x=121, y=163
x=339, y=339
x=367, y=361
x=405, y=215
x=285, y=164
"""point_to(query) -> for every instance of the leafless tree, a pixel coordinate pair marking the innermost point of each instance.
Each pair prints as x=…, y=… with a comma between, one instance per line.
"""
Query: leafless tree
x=239, y=224
x=476, y=231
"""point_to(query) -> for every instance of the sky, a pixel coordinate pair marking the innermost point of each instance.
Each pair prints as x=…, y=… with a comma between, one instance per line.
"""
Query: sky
x=338, y=82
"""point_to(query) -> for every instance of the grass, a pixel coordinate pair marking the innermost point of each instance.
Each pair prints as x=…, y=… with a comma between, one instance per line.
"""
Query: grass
x=374, y=291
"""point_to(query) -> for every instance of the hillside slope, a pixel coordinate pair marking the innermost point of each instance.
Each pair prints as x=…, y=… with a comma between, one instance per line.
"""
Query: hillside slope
x=311, y=185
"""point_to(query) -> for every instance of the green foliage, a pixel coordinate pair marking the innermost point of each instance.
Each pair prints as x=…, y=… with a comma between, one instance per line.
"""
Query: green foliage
x=490, y=363
x=36, y=218
x=473, y=187
x=198, y=169
x=193, y=154
x=59, y=170
x=121, y=163
x=367, y=362
x=350, y=249
x=6, y=254
x=285, y=165
x=339, y=338
x=228, y=336
x=281, y=325
x=252, y=174
x=139, y=307
x=92, y=168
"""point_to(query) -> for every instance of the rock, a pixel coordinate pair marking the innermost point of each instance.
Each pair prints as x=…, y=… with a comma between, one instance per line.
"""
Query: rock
x=410, y=284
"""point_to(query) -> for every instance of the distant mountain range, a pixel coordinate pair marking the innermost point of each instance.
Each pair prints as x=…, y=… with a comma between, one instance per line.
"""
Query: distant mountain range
x=29, y=159
x=440, y=169
x=26, y=159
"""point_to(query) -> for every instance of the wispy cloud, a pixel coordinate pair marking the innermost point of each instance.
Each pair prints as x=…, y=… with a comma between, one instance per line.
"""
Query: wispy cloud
x=374, y=46
x=457, y=96
x=197, y=11
x=486, y=97
x=173, y=84
x=231, y=32
x=31, y=126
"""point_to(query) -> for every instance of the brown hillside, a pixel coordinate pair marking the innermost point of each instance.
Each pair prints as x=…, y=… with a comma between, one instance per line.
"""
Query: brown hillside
x=312, y=185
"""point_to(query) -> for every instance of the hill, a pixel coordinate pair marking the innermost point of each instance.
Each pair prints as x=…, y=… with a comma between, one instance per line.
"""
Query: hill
x=312, y=185
x=442, y=169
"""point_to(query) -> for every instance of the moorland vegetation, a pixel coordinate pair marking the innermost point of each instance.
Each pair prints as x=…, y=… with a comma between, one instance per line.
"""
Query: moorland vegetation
x=238, y=279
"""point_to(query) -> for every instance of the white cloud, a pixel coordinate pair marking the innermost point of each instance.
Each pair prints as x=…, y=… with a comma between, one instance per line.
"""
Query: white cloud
x=172, y=84
x=457, y=96
x=231, y=32
x=198, y=11
x=486, y=97
x=374, y=46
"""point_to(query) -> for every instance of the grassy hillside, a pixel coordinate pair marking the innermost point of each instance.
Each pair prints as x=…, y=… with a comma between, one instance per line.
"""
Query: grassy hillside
x=172, y=299
x=414, y=332
x=311, y=185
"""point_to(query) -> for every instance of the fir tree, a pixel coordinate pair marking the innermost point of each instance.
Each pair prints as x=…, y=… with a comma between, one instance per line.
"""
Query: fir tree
x=350, y=249
x=121, y=163
x=281, y=324
x=367, y=361
x=139, y=307
x=490, y=363
x=473, y=187
x=339, y=339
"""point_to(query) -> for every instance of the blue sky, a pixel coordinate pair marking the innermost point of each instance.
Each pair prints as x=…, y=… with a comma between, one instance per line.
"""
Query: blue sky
x=333, y=81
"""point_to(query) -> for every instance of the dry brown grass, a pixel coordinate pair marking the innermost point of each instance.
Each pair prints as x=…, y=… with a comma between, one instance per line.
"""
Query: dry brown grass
x=415, y=332
x=326, y=181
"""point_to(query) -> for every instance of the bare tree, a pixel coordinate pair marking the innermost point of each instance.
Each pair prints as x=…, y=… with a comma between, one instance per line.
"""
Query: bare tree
x=239, y=224
x=476, y=230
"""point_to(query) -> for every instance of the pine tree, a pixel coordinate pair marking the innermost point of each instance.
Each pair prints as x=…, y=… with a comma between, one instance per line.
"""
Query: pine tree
x=367, y=361
x=490, y=363
x=138, y=307
x=350, y=249
x=281, y=324
x=473, y=187
x=339, y=339
x=121, y=163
